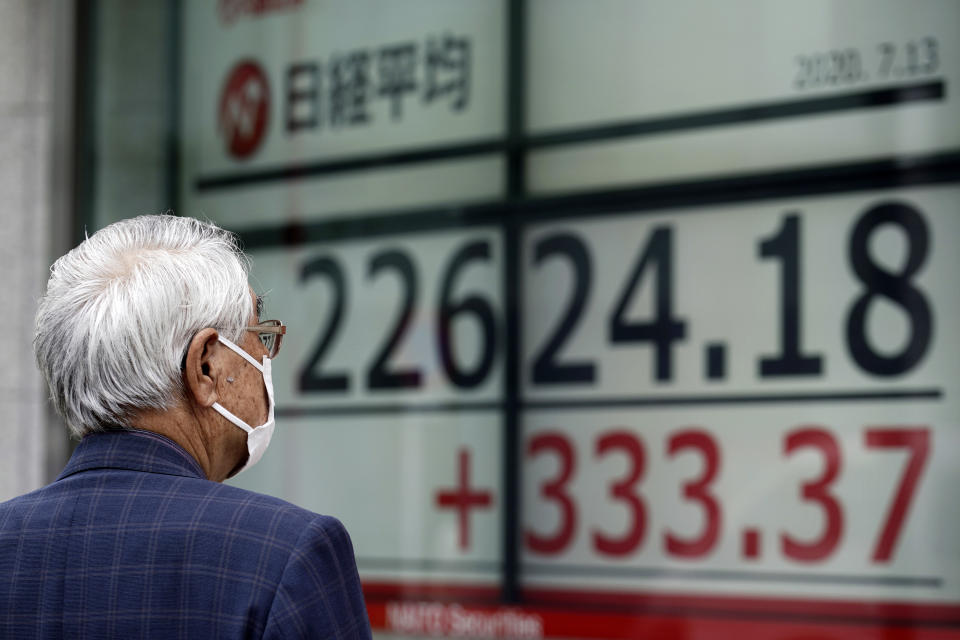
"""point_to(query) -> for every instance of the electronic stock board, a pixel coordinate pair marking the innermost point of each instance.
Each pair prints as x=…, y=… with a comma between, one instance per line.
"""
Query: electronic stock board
x=605, y=318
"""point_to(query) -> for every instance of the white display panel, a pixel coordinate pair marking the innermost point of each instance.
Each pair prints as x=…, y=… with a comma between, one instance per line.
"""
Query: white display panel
x=772, y=390
x=341, y=78
x=375, y=424
x=296, y=111
x=366, y=319
x=719, y=89
x=384, y=478
x=386, y=191
x=848, y=544
x=724, y=275
x=772, y=341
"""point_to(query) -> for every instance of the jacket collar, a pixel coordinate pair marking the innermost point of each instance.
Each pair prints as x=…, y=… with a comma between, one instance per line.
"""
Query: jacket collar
x=132, y=450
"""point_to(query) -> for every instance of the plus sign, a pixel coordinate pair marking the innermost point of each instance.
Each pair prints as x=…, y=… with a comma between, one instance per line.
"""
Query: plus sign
x=463, y=499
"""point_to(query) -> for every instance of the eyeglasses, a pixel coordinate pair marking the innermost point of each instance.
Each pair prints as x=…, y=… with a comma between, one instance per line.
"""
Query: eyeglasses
x=270, y=333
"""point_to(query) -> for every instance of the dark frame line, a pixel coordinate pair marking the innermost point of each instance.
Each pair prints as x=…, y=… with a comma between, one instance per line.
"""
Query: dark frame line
x=343, y=165
x=932, y=393
x=845, y=178
x=751, y=113
x=369, y=563
x=650, y=573
x=654, y=573
x=396, y=410
x=516, y=191
x=873, y=98
x=399, y=408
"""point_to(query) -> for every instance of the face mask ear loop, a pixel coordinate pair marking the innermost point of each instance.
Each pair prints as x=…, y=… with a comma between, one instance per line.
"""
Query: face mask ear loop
x=258, y=438
x=240, y=352
x=219, y=408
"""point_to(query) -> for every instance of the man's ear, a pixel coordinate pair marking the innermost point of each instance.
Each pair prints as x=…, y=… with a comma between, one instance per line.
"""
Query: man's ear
x=199, y=374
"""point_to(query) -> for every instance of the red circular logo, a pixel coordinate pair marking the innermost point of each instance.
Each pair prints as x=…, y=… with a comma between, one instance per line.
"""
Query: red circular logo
x=244, y=108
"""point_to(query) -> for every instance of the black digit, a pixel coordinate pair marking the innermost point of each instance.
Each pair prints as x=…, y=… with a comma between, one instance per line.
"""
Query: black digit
x=933, y=57
x=837, y=65
x=912, y=58
x=800, y=81
x=664, y=329
x=546, y=370
x=822, y=67
x=854, y=65
x=887, y=53
x=474, y=305
x=309, y=378
x=896, y=287
x=789, y=362
x=379, y=377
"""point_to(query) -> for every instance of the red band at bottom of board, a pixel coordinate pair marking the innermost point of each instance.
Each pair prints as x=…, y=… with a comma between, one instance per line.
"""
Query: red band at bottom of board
x=473, y=612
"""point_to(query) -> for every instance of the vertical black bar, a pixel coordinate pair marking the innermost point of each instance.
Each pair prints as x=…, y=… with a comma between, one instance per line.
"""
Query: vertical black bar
x=173, y=93
x=516, y=104
x=84, y=118
x=516, y=190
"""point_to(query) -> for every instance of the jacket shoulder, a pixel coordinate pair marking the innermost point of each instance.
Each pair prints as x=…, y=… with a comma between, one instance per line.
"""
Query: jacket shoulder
x=268, y=511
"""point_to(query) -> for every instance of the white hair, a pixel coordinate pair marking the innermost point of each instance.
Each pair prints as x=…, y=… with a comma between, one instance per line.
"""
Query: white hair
x=120, y=311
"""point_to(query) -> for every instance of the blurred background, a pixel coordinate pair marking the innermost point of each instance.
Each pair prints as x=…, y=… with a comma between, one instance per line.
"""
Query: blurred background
x=607, y=318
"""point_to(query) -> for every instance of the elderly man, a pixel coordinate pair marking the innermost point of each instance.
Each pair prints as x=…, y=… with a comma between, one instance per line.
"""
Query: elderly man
x=150, y=339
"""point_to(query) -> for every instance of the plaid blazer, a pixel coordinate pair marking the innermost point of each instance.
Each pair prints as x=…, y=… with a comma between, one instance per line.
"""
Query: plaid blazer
x=132, y=541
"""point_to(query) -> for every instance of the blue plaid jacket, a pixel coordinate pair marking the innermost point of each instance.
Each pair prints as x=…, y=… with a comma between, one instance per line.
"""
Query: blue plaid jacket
x=131, y=541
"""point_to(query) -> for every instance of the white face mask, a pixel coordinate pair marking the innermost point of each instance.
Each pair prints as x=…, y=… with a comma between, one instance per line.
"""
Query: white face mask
x=258, y=438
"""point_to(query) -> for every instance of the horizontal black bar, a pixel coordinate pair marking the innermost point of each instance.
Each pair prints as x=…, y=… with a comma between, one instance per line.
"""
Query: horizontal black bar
x=841, y=178
x=646, y=573
x=614, y=402
x=367, y=226
x=427, y=564
x=360, y=163
x=387, y=409
x=726, y=399
x=747, y=114
x=934, y=90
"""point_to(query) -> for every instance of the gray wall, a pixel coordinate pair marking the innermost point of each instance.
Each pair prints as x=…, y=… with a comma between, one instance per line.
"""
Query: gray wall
x=124, y=174
x=35, y=152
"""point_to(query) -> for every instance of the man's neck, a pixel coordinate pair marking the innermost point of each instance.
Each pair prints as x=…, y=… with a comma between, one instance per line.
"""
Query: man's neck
x=209, y=444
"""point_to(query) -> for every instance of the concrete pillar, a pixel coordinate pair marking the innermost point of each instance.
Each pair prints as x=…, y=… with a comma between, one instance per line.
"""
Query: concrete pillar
x=35, y=150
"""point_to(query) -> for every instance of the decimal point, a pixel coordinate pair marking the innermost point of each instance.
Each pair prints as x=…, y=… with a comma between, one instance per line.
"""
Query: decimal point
x=715, y=354
x=751, y=543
